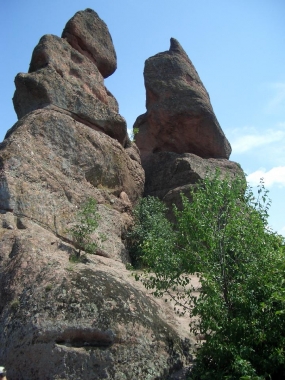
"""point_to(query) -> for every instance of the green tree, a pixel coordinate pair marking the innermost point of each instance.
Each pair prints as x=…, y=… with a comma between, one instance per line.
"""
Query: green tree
x=87, y=221
x=150, y=224
x=223, y=235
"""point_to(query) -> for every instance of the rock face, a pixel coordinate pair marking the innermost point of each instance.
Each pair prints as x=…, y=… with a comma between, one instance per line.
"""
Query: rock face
x=61, y=76
x=51, y=163
x=88, y=321
x=59, y=319
x=179, y=137
x=87, y=33
x=64, y=320
x=179, y=115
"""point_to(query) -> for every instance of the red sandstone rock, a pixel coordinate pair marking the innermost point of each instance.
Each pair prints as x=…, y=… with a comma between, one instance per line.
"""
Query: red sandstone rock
x=179, y=115
x=60, y=320
x=51, y=163
x=67, y=320
x=74, y=67
x=88, y=34
x=61, y=76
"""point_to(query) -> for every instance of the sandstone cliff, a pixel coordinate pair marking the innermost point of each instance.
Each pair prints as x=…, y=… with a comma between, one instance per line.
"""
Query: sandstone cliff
x=58, y=319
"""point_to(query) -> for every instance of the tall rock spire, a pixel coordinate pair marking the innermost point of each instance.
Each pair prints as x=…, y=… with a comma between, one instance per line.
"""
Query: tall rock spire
x=179, y=137
x=179, y=116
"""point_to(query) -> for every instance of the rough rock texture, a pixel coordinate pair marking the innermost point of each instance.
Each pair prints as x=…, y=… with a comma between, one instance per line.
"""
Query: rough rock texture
x=179, y=137
x=87, y=33
x=179, y=115
x=51, y=163
x=168, y=174
x=60, y=76
x=90, y=321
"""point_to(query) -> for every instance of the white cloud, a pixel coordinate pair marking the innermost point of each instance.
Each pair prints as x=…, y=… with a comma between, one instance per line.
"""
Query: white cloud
x=275, y=176
x=256, y=139
x=130, y=132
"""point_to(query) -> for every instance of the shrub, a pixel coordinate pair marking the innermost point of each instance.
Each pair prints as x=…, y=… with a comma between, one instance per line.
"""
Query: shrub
x=150, y=227
x=223, y=235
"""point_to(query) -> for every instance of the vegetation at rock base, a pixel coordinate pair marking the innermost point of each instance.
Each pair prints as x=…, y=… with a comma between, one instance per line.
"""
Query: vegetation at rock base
x=150, y=225
x=223, y=236
x=87, y=222
x=15, y=304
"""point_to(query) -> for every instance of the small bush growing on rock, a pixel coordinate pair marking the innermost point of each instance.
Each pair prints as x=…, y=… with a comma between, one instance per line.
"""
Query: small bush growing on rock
x=223, y=235
x=87, y=222
x=15, y=304
x=134, y=133
x=48, y=288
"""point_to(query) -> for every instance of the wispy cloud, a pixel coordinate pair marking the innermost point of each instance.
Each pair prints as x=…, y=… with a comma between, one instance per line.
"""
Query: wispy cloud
x=277, y=101
x=256, y=144
x=274, y=176
x=253, y=140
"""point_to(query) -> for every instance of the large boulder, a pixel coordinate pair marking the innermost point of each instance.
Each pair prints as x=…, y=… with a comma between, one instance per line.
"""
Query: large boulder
x=74, y=67
x=179, y=115
x=51, y=164
x=63, y=320
x=61, y=76
x=87, y=33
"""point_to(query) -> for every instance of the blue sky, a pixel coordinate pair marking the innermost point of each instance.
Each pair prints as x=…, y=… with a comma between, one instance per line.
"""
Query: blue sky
x=237, y=47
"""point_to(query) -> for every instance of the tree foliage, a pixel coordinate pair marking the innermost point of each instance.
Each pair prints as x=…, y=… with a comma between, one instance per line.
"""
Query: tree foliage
x=222, y=235
x=150, y=225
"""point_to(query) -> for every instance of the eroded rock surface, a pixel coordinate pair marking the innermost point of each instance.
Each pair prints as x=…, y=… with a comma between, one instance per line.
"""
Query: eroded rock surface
x=64, y=76
x=51, y=163
x=179, y=137
x=87, y=33
x=61, y=320
x=179, y=115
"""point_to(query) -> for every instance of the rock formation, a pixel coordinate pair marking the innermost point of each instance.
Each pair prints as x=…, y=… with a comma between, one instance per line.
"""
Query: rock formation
x=89, y=35
x=179, y=137
x=58, y=319
x=51, y=163
x=72, y=321
x=70, y=80
x=179, y=115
